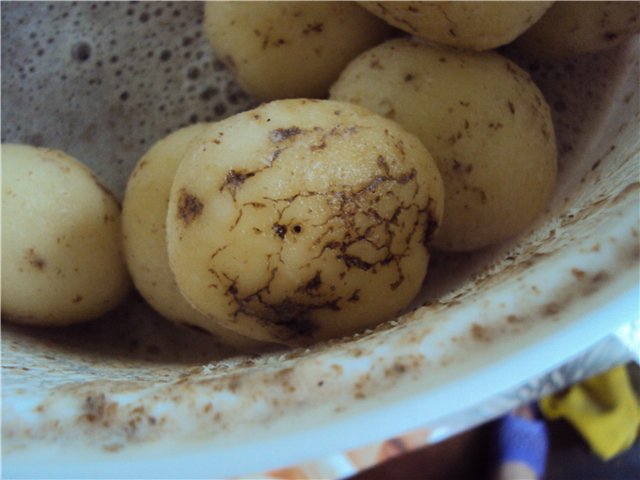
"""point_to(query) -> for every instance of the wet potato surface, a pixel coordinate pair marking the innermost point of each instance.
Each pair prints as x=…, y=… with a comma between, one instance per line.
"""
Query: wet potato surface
x=144, y=235
x=303, y=220
x=60, y=232
x=290, y=49
x=483, y=119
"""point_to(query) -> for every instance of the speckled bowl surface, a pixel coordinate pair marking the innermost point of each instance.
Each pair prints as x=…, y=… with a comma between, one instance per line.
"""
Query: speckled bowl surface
x=132, y=395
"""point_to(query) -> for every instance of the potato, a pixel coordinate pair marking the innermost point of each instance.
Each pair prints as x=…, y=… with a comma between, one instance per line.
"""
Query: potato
x=303, y=220
x=290, y=49
x=469, y=25
x=486, y=124
x=62, y=260
x=575, y=28
x=144, y=214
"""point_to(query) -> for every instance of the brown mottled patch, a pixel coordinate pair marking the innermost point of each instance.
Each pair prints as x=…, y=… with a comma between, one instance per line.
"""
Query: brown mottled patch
x=513, y=319
x=579, y=274
x=113, y=447
x=319, y=146
x=234, y=180
x=551, y=308
x=189, y=207
x=229, y=61
x=77, y=299
x=313, y=27
x=355, y=296
x=399, y=368
x=480, y=333
x=375, y=64
x=34, y=259
x=281, y=134
x=96, y=409
x=355, y=261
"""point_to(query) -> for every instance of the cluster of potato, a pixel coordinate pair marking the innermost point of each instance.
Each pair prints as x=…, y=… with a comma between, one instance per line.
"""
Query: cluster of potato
x=306, y=219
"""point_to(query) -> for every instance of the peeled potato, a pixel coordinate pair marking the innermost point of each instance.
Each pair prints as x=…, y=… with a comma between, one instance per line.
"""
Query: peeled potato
x=61, y=243
x=469, y=25
x=486, y=124
x=302, y=220
x=290, y=49
x=143, y=223
x=575, y=28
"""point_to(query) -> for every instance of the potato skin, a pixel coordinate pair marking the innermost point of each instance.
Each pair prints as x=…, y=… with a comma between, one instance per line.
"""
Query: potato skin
x=469, y=25
x=486, y=124
x=144, y=214
x=303, y=220
x=62, y=259
x=290, y=49
x=575, y=28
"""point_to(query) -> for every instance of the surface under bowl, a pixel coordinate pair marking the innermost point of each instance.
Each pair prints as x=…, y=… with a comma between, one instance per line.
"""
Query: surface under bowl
x=132, y=395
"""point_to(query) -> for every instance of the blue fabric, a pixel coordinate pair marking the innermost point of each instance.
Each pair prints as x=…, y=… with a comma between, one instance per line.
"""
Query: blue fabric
x=523, y=440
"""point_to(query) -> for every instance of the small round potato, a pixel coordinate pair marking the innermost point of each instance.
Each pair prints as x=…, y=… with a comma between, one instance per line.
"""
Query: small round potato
x=290, y=49
x=486, y=124
x=575, y=28
x=62, y=260
x=470, y=25
x=144, y=215
x=303, y=220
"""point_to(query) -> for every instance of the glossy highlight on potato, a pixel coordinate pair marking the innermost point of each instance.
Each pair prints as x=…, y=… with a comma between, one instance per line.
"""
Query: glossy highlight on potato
x=303, y=220
x=62, y=259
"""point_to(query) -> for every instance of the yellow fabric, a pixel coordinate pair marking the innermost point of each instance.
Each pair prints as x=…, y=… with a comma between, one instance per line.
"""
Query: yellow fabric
x=604, y=409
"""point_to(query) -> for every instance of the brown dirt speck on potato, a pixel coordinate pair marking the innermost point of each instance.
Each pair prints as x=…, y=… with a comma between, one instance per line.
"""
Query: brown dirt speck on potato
x=34, y=259
x=189, y=207
x=234, y=180
x=317, y=27
x=281, y=134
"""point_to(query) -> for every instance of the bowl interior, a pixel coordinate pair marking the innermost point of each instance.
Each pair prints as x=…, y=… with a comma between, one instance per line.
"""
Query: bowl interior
x=104, y=81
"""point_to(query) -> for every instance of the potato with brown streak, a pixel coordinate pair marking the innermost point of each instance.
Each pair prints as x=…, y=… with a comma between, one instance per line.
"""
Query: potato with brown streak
x=62, y=259
x=303, y=220
x=290, y=49
x=144, y=215
x=484, y=121
x=469, y=25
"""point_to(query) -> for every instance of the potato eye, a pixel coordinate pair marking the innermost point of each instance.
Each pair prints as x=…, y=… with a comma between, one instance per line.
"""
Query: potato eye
x=280, y=230
x=297, y=229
